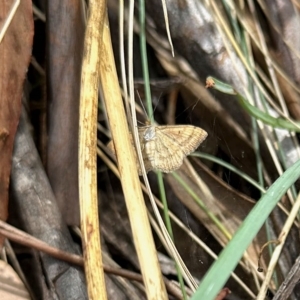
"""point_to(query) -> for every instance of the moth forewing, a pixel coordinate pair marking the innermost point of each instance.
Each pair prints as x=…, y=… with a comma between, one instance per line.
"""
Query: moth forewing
x=187, y=136
x=165, y=147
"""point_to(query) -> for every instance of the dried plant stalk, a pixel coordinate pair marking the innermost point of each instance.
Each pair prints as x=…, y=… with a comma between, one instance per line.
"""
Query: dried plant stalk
x=140, y=226
x=87, y=152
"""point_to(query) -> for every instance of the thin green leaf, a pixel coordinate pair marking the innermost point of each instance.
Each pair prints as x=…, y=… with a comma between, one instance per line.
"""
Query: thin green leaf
x=220, y=271
x=252, y=110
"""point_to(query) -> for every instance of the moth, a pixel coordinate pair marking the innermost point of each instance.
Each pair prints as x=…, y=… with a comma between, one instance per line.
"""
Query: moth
x=165, y=147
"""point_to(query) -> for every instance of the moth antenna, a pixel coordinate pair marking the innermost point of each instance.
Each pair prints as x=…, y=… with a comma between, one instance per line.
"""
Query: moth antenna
x=195, y=104
x=158, y=98
x=192, y=106
x=141, y=123
x=142, y=104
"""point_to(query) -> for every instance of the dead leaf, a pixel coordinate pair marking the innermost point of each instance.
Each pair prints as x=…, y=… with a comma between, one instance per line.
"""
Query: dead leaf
x=15, y=52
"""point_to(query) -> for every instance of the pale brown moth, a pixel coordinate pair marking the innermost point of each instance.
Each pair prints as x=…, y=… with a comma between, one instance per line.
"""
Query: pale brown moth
x=165, y=147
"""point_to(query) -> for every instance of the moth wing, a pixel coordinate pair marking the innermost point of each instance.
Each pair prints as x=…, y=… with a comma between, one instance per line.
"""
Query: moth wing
x=163, y=154
x=187, y=137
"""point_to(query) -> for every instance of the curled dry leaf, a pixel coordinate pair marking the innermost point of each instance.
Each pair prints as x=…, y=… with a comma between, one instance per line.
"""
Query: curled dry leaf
x=165, y=147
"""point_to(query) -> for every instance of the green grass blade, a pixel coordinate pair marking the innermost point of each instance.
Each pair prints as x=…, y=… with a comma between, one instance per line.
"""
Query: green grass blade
x=231, y=168
x=252, y=110
x=220, y=271
x=169, y=227
x=143, y=48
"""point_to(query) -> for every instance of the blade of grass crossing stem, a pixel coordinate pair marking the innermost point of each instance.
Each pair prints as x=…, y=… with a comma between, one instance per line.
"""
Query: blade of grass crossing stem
x=143, y=49
x=201, y=204
x=169, y=226
x=220, y=271
x=231, y=168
